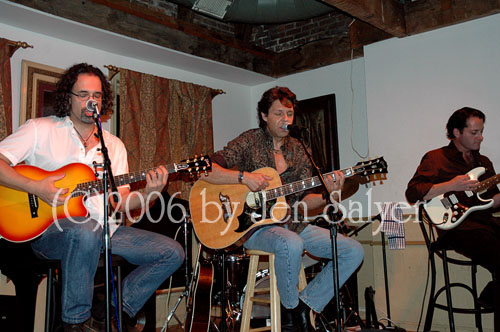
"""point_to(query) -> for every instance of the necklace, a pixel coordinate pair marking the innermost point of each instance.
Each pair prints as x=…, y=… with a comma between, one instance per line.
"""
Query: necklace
x=85, y=140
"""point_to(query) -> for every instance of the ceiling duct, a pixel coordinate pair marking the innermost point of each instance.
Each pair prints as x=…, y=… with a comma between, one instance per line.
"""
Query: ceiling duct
x=258, y=11
x=216, y=8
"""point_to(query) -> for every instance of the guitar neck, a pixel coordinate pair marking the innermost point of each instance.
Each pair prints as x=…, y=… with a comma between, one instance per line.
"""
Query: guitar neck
x=98, y=185
x=302, y=185
x=486, y=184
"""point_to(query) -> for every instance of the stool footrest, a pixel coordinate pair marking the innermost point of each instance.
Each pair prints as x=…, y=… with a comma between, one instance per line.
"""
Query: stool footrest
x=261, y=290
x=260, y=300
x=258, y=329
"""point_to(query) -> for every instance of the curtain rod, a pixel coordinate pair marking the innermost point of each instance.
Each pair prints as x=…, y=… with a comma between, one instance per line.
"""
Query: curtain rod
x=19, y=44
x=115, y=70
x=14, y=46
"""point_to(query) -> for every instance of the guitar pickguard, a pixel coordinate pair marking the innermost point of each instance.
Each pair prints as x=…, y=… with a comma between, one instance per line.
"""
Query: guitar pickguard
x=254, y=215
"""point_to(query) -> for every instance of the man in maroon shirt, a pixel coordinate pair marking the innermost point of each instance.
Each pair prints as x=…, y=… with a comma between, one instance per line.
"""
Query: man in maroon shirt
x=444, y=170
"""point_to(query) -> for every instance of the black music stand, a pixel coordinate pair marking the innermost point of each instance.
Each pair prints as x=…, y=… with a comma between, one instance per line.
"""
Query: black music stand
x=371, y=313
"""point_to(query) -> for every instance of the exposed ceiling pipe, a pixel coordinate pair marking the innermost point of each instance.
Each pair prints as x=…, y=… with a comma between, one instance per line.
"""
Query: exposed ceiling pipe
x=265, y=11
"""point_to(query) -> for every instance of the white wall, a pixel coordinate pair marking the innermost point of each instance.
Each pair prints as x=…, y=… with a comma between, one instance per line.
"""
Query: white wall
x=415, y=83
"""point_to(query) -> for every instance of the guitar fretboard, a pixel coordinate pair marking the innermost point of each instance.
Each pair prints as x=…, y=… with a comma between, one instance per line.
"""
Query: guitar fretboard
x=313, y=182
x=486, y=184
x=97, y=186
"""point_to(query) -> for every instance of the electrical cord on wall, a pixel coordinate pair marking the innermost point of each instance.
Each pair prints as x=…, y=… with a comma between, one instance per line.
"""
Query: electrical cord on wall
x=352, y=108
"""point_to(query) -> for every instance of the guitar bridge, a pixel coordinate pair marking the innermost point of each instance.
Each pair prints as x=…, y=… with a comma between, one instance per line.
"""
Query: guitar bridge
x=33, y=203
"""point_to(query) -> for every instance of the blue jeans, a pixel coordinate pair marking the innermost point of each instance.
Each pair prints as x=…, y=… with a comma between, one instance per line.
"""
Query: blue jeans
x=78, y=247
x=288, y=247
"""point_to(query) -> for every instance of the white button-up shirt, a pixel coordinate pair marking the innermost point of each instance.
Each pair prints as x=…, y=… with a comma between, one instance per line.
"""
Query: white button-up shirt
x=51, y=143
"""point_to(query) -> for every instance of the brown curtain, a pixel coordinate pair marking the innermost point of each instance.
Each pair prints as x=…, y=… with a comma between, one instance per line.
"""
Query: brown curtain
x=6, y=51
x=164, y=121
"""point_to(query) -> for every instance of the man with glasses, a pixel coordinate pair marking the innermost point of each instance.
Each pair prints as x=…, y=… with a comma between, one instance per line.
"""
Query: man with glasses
x=68, y=137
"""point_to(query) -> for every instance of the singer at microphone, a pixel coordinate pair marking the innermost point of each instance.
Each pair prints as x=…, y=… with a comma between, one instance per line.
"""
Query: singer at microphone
x=92, y=107
x=294, y=130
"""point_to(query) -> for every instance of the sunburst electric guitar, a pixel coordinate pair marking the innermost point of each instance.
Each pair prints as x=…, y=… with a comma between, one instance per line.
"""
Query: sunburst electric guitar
x=225, y=215
x=24, y=216
x=447, y=211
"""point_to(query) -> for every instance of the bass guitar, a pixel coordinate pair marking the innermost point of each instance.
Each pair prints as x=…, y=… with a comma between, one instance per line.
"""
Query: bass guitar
x=225, y=215
x=448, y=210
x=24, y=216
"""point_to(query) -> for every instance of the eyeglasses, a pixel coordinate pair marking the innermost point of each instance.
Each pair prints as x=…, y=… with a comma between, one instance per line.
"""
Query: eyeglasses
x=85, y=95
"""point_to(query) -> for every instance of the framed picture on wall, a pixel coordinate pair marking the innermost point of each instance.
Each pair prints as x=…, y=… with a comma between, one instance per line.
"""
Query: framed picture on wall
x=38, y=85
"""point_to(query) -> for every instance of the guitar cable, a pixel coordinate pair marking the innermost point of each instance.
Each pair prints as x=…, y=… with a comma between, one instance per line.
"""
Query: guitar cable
x=428, y=275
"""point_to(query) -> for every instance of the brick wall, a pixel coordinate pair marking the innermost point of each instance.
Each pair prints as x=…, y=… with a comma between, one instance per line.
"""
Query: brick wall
x=277, y=37
x=282, y=37
x=165, y=6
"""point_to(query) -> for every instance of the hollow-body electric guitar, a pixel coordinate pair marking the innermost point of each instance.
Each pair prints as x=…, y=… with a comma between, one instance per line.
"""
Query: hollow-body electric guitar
x=24, y=216
x=448, y=210
x=225, y=215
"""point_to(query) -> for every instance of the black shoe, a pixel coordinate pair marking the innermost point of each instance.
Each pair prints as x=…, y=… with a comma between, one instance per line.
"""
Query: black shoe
x=287, y=324
x=129, y=324
x=74, y=327
x=487, y=297
x=301, y=317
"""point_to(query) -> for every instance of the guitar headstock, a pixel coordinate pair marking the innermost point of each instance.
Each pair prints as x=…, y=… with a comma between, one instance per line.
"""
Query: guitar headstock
x=371, y=167
x=195, y=165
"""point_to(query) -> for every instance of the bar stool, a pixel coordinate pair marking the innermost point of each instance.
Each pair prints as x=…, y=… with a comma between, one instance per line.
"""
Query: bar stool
x=435, y=248
x=274, y=298
x=20, y=264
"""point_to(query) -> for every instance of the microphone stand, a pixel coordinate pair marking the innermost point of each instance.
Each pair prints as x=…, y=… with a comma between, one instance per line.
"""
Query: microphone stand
x=107, y=174
x=333, y=236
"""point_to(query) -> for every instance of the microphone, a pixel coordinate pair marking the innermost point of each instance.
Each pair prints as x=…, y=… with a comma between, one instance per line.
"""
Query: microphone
x=92, y=106
x=293, y=129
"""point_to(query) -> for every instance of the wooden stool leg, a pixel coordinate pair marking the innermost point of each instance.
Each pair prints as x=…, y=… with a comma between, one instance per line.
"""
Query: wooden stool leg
x=274, y=297
x=249, y=293
x=302, y=278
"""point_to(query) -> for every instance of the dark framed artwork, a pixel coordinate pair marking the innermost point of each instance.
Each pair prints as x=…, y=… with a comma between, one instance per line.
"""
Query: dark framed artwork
x=38, y=85
x=319, y=115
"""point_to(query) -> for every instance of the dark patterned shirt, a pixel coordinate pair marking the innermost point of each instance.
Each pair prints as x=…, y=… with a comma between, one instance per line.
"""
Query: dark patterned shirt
x=253, y=149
